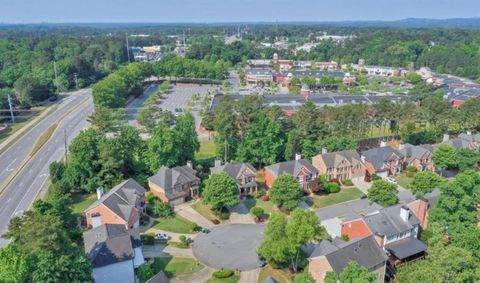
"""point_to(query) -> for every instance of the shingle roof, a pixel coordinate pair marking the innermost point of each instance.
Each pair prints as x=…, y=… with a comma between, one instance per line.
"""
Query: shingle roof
x=458, y=143
x=406, y=247
x=233, y=169
x=332, y=159
x=122, y=198
x=110, y=243
x=469, y=137
x=292, y=167
x=378, y=156
x=348, y=210
x=365, y=252
x=388, y=222
x=412, y=152
x=168, y=178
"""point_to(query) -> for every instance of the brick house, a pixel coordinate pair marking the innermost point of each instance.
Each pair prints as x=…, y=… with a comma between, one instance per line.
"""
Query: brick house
x=336, y=254
x=419, y=156
x=123, y=204
x=301, y=169
x=244, y=175
x=175, y=185
x=383, y=161
x=340, y=165
x=257, y=75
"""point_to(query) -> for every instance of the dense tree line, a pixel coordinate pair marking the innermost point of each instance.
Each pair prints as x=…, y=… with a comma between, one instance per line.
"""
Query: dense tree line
x=249, y=130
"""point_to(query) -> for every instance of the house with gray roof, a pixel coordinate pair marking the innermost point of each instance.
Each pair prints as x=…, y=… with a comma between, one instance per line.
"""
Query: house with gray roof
x=244, y=175
x=299, y=168
x=335, y=255
x=175, y=185
x=383, y=161
x=418, y=156
x=340, y=165
x=258, y=75
x=123, y=204
x=114, y=252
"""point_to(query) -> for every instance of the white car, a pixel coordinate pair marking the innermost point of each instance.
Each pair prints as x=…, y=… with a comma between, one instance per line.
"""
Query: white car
x=391, y=180
x=161, y=236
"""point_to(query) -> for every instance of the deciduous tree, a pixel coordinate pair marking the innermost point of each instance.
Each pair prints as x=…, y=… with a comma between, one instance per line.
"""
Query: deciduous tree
x=286, y=192
x=383, y=193
x=220, y=191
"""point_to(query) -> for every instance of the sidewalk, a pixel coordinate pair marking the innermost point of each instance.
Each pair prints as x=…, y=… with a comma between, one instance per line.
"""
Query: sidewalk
x=249, y=276
x=199, y=277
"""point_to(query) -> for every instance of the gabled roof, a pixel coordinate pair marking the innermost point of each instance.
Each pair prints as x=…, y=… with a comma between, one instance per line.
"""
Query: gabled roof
x=333, y=159
x=379, y=156
x=412, y=152
x=388, y=222
x=122, y=198
x=458, y=143
x=293, y=167
x=234, y=170
x=365, y=252
x=110, y=243
x=168, y=178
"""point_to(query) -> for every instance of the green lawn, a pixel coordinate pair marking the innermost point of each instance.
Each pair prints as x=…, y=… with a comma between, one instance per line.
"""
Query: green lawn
x=403, y=180
x=175, y=224
x=206, y=151
x=268, y=206
x=204, y=210
x=344, y=195
x=233, y=279
x=280, y=275
x=82, y=202
x=175, y=266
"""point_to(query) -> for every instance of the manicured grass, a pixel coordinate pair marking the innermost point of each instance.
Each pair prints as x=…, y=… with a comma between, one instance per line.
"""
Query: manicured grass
x=206, y=151
x=268, y=206
x=175, y=266
x=43, y=138
x=204, y=210
x=175, y=224
x=177, y=245
x=403, y=180
x=280, y=275
x=82, y=202
x=344, y=195
x=232, y=279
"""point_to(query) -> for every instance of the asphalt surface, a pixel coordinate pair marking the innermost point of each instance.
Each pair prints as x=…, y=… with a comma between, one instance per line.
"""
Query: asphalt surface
x=27, y=184
x=134, y=107
x=231, y=246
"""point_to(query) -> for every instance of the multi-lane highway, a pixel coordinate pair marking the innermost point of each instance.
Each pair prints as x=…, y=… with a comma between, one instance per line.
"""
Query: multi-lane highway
x=25, y=174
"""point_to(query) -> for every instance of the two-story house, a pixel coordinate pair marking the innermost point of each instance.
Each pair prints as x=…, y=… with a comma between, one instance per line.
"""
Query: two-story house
x=335, y=255
x=418, y=156
x=175, y=185
x=301, y=169
x=244, y=175
x=383, y=161
x=340, y=165
x=114, y=253
x=123, y=204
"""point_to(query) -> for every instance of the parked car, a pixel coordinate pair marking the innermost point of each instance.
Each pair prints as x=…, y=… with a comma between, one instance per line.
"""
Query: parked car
x=162, y=236
x=391, y=180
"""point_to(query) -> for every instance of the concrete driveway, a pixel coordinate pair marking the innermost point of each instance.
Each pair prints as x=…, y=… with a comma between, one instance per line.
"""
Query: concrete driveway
x=231, y=246
x=240, y=214
x=186, y=211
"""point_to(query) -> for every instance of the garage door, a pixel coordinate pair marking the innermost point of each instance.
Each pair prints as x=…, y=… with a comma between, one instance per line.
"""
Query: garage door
x=382, y=174
x=177, y=201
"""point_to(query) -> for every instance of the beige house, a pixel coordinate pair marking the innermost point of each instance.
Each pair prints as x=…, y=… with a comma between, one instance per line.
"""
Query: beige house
x=244, y=175
x=340, y=165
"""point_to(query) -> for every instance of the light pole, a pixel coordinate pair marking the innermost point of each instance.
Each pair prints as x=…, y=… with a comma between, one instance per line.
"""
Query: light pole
x=11, y=108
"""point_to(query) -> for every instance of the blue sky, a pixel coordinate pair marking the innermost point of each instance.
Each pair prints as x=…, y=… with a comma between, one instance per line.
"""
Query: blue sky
x=34, y=11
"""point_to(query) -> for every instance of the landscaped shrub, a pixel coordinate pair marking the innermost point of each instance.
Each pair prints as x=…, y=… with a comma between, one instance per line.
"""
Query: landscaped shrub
x=194, y=227
x=161, y=209
x=215, y=221
x=411, y=169
x=375, y=177
x=347, y=182
x=265, y=198
x=145, y=272
x=148, y=239
x=257, y=194
x=182, y=238
x=332, y=187
x=225, y=215
x=223, y=273
x=257, y=211
x=150, y=197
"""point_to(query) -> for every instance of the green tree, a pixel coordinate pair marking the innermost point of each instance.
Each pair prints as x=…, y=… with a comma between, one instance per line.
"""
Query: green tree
x=304, y=277
x=56, y=170
x=162, y=149
x=424, y=182
x=14, y=265
x=353, y=272
x=162, y=209
x=286, y=192
x=445, y=157
x=220, y=191
x=334, y=143
x=186, y=137
x=263, y=142
x=468, y=159
x=275, y=247
x=383, y=193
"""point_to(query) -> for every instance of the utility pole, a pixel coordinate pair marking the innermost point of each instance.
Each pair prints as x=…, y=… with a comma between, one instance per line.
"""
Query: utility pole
x=66, y=149
x=56, y=76
x=76, y=81
x=11, y=108
x=184, y=38
x=225, y=150
x=128, y=48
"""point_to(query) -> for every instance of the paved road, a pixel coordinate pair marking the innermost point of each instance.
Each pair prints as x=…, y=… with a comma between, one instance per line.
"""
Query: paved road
x=134, y=107
x=23, y=190
x=13, y=157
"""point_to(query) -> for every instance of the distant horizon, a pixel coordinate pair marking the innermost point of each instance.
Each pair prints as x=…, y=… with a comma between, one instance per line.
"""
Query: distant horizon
x=231, y=11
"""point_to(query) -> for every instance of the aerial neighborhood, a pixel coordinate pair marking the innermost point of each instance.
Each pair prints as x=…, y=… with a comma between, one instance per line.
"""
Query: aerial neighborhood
x=249, y=152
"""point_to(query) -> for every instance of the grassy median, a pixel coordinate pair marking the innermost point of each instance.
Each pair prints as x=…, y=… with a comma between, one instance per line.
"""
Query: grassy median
x=43, y=138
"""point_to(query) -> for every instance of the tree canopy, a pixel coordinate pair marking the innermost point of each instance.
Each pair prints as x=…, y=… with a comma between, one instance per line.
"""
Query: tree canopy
x=286, y=192
x=220, y=190
x=383, y=193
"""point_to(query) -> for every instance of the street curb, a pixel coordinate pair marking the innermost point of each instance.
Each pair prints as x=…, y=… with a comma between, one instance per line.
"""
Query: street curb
x=12, y=176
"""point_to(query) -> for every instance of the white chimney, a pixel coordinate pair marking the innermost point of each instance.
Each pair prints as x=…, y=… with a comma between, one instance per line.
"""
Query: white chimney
x=298, y=156
x=404, y=212
x=383, y=143
x=100, y=192
x=363, y=158
x=218, y=162
x=469, y=133
x=446, y=137
x=324, y=150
